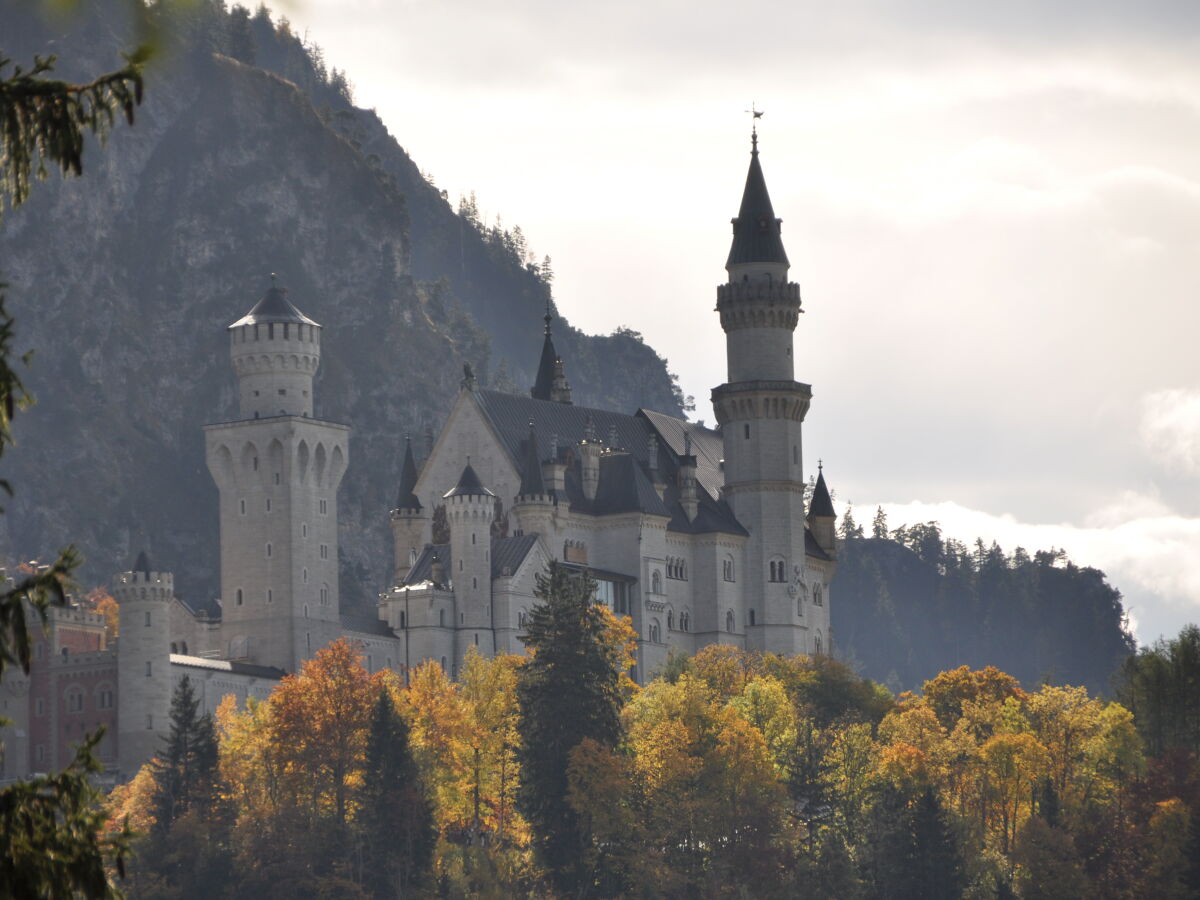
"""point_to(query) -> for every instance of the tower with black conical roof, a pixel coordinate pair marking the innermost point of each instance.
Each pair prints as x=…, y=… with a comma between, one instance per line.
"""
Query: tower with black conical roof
x=277, y=469
x=411, y=524
x=470, y=507
x=760, y=409
x=533, y=507
x=821, y=516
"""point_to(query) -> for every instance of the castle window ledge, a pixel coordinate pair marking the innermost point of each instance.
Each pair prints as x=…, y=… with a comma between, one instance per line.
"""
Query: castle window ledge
x=655, y=605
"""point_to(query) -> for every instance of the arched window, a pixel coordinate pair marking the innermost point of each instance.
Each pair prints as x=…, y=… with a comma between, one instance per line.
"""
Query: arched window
x=655, y=629
x=656, y=583
x=521, y=619
x=729, y=621
x=685, y=621
x=147, y=618
x=174, y=647
x=727, y=568
x=74, y=698
x=239, y=596
x=817, y=644
x=778, y=571
x=670, y=621
x=442, y=624
x=104, y=696
x=183, y=648
x=817, y=599
x=751, y=617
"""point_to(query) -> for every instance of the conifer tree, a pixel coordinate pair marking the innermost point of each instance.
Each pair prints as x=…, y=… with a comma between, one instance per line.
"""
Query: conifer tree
x=567, y=691
x=395, y=820
x=185, y=773
x=879, y=527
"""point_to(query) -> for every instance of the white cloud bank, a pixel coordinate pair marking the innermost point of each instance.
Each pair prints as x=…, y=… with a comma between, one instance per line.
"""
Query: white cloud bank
x=1149, y=552
x=1170, y=428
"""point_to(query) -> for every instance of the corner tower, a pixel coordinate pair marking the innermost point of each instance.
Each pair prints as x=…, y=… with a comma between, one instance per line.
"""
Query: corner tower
x=760, y=409
x=277, y=469
x=143, y=662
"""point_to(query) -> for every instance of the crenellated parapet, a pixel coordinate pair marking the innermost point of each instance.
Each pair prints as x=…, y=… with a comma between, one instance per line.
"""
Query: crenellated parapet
x=745, y=400
x=758, y=304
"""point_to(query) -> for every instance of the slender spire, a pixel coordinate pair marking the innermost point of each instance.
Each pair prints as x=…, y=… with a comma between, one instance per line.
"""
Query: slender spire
x=821, y=505
x=143, y=564
x=757, y=233
x=532, y=483
x=406, y=499
x=543, y=387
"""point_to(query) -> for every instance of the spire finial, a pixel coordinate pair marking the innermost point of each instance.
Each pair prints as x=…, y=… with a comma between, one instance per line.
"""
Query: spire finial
x=755, y=115
x=272, y=279
x=820, y=465
x=548, y=317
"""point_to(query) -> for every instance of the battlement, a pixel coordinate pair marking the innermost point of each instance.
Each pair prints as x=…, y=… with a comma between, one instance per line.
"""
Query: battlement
x=758, y=304
x=164, y=580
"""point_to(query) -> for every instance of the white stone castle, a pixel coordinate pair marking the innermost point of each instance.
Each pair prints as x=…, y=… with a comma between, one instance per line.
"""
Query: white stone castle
x=700, y=536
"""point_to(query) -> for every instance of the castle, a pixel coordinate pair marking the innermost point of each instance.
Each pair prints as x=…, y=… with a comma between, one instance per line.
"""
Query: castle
x=699, y=535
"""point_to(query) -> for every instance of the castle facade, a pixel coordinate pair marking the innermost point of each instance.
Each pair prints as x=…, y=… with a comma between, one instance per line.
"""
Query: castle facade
x=699, y=535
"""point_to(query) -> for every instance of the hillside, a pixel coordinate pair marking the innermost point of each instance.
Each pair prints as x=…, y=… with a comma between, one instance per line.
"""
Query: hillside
x=910, y=605
x=247, y=158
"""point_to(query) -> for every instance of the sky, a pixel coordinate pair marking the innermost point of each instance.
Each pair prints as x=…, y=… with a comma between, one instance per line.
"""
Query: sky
x=992, y=210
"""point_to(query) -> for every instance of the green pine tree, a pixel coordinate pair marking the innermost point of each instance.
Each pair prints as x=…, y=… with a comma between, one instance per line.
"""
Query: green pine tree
x=567, y=691
x=186, y=772
x=395, y=821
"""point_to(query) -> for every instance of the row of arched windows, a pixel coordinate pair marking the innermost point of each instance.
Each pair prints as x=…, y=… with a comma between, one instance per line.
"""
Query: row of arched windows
x=676, y=568
x=685, y=621
x=181, y=647
x=777, y=570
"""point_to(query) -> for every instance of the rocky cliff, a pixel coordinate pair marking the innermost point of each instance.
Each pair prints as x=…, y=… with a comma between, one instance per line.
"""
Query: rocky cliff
x=123, y=282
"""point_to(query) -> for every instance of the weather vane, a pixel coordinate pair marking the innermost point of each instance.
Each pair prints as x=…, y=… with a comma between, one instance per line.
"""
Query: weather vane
x=755, y=115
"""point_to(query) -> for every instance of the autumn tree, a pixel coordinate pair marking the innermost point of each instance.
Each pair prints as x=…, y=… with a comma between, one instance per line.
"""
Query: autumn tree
x=568, y=690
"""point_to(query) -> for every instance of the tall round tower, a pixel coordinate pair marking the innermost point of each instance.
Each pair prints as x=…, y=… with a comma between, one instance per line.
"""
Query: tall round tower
x=143, y=662
x=470, y=508
x=760, y=410
x=276, y=350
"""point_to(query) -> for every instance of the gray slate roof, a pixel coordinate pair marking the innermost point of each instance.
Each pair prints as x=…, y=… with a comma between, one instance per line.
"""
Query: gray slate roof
x=821, y=504
x=366, y=625
x=468, y=485
x=507, y=555
x=227, y=665
x=405, y=498
x=510, y=415
x=274, y=307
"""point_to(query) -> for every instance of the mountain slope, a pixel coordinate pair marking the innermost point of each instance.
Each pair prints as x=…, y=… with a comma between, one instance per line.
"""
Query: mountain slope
x=124, y=281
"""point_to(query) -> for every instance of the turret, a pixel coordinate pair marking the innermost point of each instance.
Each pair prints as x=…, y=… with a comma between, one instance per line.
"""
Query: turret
x=276, y=350
x=469, y=508
x=411, y=526
x=821, y=517
x=551, y=383
x=144, y=662
x=533, y=507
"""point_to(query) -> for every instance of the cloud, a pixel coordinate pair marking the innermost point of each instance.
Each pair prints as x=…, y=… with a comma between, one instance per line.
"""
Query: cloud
x=1147, y=551
x=1170, y=428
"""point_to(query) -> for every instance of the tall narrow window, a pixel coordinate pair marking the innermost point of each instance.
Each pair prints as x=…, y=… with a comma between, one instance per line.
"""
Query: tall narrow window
x=148, y=669
x=147, y=618
x=747, y=432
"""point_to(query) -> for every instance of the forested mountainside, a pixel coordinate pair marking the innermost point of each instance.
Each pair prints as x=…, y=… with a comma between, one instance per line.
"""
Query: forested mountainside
x=247, y=158
x=908, y=604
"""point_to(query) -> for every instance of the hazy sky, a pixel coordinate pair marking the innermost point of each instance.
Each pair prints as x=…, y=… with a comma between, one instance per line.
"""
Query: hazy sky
x=992, y=210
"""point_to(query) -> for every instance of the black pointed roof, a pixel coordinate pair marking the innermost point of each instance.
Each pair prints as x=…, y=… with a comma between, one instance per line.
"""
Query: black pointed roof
x=274, y=307
x=532, y=483
x=821, y=504
x=544, y=385
x=406, y=499
x=143, y=564
x=757, y=234
x=468, y=485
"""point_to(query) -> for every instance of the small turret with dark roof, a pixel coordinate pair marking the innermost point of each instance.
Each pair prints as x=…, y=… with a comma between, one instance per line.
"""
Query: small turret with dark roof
x=551, y=383
x=468, y=485
x=405, y=498
x=142, y=565
x=273, y=307
x=821, y=516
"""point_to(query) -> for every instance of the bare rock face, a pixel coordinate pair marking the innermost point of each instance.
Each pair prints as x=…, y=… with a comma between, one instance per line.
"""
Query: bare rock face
x=124, y=281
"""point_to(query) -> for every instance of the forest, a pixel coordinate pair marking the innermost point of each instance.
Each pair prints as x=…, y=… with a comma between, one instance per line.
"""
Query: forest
x=912, y=602
x=731, y=774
